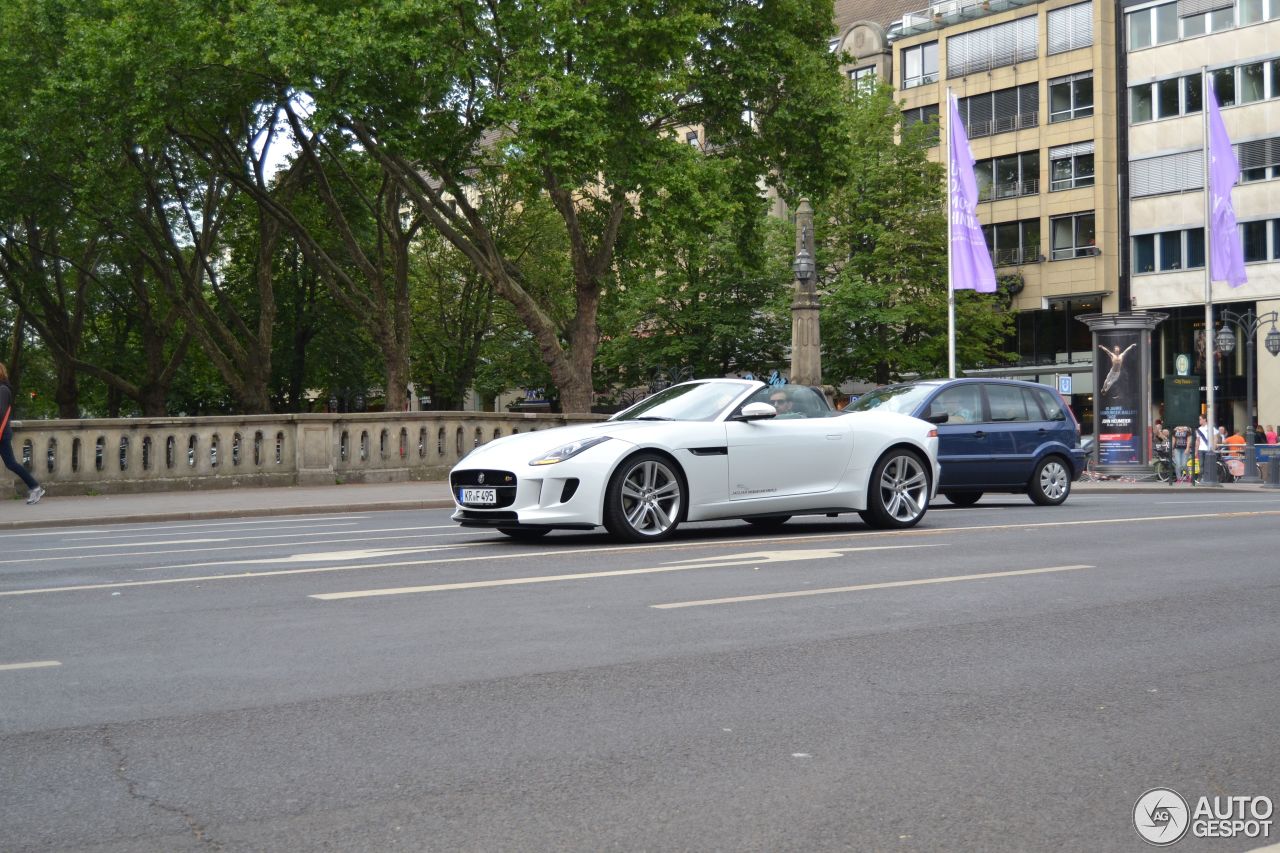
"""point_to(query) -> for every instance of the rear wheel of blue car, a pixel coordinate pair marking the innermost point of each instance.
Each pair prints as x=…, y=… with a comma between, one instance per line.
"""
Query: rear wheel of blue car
x=963, y=498
x=1051, y=483
x=645, y=499
x=898, y=493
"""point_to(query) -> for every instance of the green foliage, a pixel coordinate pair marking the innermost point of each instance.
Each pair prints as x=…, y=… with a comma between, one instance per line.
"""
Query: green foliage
x=884, y=252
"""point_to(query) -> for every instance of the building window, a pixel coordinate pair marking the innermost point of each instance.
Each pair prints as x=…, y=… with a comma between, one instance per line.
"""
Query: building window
x=691, y=138
x=919, y=65
x=1224, y=86
x=1070, y=28
x=1168, y=251
x=1071, y=166
x=1275, y=239
x=1169, y=98
x=1073, y=236
x=863, y=76
x=1259, y=159
x=1157, y=25
x=993, y=47
x=927, y=114
x=1001, y=111
x=1168, y=173
x=1013, y=243
x=1254, y=235
x=1008, y=177
x=1071, y=97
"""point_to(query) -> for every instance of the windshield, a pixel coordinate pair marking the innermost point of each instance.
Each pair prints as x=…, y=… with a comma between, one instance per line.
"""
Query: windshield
x=893, y=398
x=692, y=401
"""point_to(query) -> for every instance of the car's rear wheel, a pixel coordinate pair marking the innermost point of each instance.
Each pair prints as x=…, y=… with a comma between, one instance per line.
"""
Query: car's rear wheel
x=772, y=522
x=963, y=498
x=525, y=533
x=645, y=499
x=898, y=494
x=1051, y=482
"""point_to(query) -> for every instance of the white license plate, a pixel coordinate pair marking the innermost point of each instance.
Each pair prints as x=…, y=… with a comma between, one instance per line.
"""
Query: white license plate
x=479, y=496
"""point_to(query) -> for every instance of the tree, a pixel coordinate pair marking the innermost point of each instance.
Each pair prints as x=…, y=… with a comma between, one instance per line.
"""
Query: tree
x=705, y=287
x=575, y=101
x=883, y=253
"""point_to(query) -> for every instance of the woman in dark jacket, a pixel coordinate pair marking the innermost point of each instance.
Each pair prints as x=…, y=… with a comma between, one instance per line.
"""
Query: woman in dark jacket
x=6, y=435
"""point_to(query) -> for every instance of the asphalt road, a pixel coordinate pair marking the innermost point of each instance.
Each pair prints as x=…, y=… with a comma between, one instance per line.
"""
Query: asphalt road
x=1004, y=677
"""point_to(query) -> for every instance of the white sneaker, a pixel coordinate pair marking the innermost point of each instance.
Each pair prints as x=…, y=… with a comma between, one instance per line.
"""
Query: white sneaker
x=34, y=496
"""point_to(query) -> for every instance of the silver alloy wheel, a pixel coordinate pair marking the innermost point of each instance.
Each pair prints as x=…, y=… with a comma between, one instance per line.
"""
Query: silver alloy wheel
x=904, y=488
x=651, y=498
x=1054, y=482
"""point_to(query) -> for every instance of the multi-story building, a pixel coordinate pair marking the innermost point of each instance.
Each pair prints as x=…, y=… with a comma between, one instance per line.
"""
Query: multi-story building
x=1036, y=89
x=1168, y=49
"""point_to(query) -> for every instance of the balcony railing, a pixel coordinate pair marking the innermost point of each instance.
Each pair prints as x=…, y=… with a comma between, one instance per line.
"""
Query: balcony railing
x=1016, y=257
x=1002, y=124
x=948, y=12
x=1014, y=189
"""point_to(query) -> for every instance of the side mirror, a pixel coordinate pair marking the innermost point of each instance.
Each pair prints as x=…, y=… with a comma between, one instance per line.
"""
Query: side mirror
x=756, y=412
x=938, y=419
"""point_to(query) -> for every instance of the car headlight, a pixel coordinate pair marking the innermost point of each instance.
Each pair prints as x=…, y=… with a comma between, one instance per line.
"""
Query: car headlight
x=567, y=451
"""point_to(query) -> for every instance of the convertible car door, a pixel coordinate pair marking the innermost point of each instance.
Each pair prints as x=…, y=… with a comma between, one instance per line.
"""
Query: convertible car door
x=787, y=456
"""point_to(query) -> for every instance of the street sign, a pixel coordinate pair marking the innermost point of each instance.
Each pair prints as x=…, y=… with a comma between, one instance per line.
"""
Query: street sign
x=1064, y=384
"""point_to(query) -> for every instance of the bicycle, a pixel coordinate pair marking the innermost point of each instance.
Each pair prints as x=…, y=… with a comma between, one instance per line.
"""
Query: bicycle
x=1163, y=463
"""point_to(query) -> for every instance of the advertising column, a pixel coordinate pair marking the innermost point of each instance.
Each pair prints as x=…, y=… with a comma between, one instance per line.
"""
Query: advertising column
x=1122, y=395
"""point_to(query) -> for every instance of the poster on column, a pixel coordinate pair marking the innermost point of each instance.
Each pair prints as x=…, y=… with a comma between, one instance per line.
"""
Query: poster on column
x=1115, y=367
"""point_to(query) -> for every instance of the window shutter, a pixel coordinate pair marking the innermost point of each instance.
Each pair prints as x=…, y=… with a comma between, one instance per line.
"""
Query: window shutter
x=1171, y=173
x=1259, y=153
x=992, y=47
x=1190, y=8
x=1070, y=28
x=1072, y=150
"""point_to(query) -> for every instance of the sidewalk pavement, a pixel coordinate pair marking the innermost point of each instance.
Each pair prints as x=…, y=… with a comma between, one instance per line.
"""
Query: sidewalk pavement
x=262, y=501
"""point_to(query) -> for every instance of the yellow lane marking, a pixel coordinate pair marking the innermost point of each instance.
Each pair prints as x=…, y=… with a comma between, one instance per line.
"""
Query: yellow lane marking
x=35, y=664
x=738, y=599
x=682, y=566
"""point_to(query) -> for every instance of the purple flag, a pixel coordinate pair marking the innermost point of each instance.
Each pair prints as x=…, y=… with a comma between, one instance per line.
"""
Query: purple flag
x=971, y=267
x=1226, y=255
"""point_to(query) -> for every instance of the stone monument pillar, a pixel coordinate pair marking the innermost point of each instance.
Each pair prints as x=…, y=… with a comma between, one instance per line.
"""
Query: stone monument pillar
x=806, y=344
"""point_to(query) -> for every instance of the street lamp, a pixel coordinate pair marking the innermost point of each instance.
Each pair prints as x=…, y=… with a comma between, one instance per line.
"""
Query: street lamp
x=802, y=266
x=1248, y=323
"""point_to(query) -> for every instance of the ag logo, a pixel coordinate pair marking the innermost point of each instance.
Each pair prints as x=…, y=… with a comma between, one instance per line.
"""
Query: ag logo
x=1161, y=816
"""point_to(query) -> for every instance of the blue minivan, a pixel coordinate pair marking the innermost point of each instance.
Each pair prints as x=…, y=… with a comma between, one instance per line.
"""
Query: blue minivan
x=994, y=435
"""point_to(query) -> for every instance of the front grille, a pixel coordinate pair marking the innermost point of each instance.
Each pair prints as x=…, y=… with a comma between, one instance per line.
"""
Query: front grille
x=503, y=482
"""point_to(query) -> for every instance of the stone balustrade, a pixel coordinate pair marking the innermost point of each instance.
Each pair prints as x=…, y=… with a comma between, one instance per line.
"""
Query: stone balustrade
x=121, y=455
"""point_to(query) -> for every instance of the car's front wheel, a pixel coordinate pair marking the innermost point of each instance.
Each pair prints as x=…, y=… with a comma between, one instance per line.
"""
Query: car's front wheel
x=645, y=499
x=898, y=494
x=1051, y=482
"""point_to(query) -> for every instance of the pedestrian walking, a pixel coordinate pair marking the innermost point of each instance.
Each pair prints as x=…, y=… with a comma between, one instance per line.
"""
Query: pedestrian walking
x=35, y=490
x=1182, y=441
x=1271, y=434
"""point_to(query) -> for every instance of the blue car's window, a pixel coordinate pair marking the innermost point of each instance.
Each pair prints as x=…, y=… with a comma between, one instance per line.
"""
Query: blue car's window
x=962, y=404
x=1051, y=406
x=905, y=399
x=1009, y=404
x=697, y=401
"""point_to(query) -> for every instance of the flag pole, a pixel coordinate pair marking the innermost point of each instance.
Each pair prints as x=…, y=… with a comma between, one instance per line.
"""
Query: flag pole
x=951, y=290
x=1211, y=474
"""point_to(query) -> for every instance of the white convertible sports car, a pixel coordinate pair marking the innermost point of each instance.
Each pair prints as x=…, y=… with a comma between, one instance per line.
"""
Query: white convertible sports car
x=700, y=451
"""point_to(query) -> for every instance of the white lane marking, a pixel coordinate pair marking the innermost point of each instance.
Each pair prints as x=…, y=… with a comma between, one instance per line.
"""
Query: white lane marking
x=341, y=533
x=35, y=664
x=280, y=523
x=534, y=553
x=739, y=599
x=679, y=566
x=65, y=557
